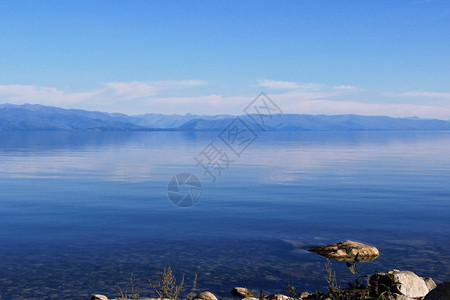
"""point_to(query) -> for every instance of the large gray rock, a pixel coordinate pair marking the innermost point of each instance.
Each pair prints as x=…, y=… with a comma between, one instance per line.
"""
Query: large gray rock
x=98, y=297
x=347, y=250
x=241, y=292
x=409, y=284
x=441, y=292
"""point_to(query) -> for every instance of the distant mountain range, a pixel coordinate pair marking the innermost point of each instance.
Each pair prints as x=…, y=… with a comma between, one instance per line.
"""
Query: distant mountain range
x=38, y=117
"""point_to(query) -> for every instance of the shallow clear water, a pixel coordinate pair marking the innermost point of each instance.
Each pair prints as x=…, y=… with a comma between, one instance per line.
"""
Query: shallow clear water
x=80, y=212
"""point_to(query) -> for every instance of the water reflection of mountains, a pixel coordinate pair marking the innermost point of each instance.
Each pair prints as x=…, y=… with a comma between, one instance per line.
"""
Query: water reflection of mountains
x=48, y=141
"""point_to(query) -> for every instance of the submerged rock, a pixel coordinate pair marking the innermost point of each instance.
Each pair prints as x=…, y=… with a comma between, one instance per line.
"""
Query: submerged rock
x=241, y=292
x=347, y=250
x=441, y=292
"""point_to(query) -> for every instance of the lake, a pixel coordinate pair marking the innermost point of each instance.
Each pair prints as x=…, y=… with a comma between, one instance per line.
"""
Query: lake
x=82, y=211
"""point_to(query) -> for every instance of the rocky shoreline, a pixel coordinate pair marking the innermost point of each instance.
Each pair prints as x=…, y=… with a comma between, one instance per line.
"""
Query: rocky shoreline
x=411, y=287
x=393, y=284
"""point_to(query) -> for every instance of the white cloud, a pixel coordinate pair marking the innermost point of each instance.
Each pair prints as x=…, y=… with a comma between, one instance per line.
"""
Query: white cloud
x=128, y=90
x=348, y=101
x=344, y=87
x=18, y=94
x=108, y=94
x=424, y=94
x=274, y=84
x=305, y=86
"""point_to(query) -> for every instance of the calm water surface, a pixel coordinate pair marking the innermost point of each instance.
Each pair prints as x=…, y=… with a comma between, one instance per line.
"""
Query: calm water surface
x=80, y=212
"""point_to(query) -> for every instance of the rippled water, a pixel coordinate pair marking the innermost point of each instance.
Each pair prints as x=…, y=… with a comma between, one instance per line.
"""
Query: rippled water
x=80, y=212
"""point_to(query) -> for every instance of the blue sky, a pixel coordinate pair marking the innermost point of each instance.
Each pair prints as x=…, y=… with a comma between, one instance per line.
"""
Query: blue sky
x=214, y=57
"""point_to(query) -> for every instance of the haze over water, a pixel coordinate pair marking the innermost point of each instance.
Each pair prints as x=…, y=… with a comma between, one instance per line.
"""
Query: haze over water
x=80, y=211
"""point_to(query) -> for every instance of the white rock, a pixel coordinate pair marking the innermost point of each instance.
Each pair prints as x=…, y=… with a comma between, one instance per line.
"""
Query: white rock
x=410, y=284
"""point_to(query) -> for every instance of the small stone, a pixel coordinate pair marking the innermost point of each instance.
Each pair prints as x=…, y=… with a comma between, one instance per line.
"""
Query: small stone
x=304, y=295
x=98, y=297
x=206, y=296
x=311, y=297
x=441, y=292
x=278, y=297
x=241, y=292
x=347, y=250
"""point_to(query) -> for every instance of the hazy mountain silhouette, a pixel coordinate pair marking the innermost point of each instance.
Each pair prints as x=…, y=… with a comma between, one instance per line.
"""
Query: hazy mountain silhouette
x=38, y=117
